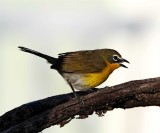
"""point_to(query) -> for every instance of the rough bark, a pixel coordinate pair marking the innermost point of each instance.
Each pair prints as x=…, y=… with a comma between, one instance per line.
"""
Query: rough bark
x=36, y=116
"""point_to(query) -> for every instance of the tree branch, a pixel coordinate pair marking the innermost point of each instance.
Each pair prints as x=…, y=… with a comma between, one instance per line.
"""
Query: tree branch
x=36, y=116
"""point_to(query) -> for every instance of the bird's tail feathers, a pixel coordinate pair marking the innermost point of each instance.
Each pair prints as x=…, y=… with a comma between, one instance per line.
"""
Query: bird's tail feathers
x=50, y=59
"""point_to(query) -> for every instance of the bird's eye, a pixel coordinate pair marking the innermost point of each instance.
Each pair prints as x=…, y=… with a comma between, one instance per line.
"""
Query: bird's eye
x=115, y=57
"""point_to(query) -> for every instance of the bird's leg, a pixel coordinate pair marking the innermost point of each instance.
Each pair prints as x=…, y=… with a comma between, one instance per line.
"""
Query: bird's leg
x=75, y=94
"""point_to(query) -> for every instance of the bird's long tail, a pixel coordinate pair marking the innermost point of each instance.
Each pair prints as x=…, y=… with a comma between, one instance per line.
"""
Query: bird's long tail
x=50, y=59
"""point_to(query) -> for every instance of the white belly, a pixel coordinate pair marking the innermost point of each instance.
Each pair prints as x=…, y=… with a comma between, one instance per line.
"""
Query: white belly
x=76, y=80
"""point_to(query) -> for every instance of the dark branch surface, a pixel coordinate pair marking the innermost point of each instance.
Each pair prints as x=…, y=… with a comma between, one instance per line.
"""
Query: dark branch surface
x=36, y=116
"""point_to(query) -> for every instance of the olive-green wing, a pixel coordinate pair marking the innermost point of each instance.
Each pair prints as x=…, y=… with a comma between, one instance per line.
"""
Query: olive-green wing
x=82, y=62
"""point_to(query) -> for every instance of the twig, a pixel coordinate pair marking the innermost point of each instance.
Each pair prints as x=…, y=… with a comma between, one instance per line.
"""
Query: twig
x=36, y=116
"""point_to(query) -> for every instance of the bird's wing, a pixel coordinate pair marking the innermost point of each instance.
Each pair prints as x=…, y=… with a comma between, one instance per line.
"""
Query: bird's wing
x=81, y=62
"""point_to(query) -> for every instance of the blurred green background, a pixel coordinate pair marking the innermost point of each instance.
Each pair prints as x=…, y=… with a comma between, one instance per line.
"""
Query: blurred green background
x=132, y=27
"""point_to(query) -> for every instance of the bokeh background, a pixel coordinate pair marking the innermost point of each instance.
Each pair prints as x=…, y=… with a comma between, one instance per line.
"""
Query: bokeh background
x=132, y=27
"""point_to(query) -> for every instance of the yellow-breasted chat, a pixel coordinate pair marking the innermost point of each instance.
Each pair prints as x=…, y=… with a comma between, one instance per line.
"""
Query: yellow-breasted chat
x=86, y=69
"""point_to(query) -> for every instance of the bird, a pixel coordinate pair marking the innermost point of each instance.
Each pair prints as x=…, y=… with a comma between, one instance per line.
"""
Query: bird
x=85, y=69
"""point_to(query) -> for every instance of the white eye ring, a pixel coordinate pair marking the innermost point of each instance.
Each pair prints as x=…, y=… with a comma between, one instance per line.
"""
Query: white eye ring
x=115, y=57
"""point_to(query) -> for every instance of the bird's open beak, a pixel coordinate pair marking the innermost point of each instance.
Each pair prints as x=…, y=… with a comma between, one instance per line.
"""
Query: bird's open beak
x=124, y=60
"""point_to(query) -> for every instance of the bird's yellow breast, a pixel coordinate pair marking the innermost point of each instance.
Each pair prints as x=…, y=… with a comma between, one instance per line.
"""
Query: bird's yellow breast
x=92, y=80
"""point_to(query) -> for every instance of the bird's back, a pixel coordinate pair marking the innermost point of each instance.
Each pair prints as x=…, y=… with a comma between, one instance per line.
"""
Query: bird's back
x=81, y=62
